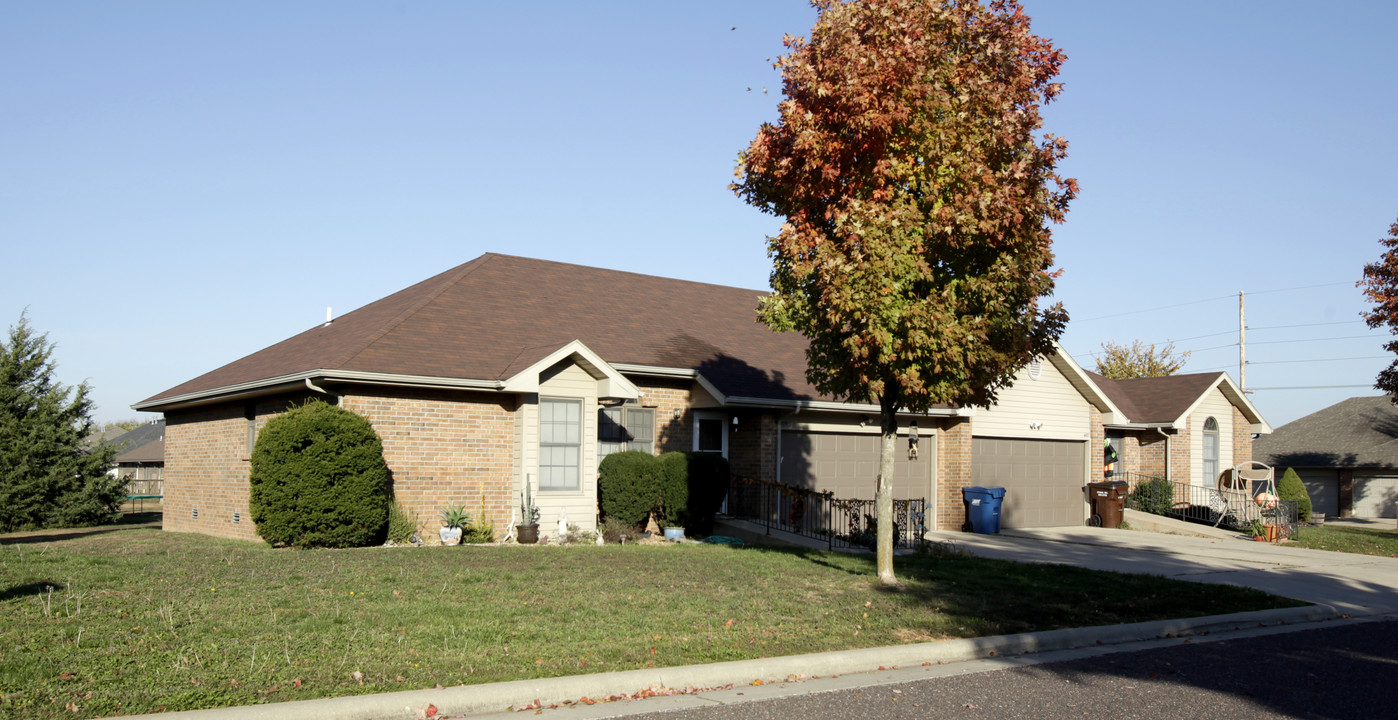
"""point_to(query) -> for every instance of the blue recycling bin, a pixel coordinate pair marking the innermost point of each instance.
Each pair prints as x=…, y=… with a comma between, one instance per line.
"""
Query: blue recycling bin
x=982, y=509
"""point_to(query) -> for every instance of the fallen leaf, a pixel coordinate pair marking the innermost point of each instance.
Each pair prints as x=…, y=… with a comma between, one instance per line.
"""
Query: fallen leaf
x=431, y=711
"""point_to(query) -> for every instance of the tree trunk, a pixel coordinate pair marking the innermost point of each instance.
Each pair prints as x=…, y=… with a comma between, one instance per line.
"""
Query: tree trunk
x=883, y=497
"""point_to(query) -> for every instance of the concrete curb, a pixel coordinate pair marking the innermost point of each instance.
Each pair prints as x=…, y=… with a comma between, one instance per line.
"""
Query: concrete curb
x=497, y=697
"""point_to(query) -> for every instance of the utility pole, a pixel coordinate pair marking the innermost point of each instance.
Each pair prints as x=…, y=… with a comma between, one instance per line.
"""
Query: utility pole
x=1242, y=347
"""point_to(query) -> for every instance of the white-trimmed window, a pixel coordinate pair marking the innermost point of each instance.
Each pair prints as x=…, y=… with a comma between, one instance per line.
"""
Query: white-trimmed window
x=560, y=444
x=625, y=427
x=1210, y=452
x=710, y=432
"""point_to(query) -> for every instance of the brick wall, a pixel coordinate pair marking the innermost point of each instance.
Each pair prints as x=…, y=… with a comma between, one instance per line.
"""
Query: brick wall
x=1242, y=438
x=667, y=396
x=1151, y=453
x=206, y=466
x=953, y=472
x=1097, y=454
x=752, y=445
x=444, y=447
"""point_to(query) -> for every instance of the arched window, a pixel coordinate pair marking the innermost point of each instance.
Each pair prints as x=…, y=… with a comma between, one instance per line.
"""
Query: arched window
x=1210, y=452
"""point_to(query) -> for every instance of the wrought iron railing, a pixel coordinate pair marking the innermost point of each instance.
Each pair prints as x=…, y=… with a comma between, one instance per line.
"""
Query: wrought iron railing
x=1240, y=508
x=839, y=522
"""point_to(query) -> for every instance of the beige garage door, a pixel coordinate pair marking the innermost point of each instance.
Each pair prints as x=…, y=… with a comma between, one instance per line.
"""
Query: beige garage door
x=1043, y=479
x=1375, y=494
x=847, y=464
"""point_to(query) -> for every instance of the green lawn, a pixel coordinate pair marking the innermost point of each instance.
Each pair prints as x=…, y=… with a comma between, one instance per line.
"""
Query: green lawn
x=1350, y=539
x=129, y=620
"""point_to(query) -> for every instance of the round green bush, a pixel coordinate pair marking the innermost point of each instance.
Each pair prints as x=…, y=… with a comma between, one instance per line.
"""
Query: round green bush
x=1290, y=487
x=628, y=486
x=319, y=479
x=674, y=488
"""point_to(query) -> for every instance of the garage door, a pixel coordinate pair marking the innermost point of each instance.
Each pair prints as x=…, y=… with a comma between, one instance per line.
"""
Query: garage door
x=1374, y=495
x=1324, y=488
x=847, y=464
x=1043, y=479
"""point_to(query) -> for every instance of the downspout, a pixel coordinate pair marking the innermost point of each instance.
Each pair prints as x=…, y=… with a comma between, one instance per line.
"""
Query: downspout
x=316, y=388
x=1167, y=451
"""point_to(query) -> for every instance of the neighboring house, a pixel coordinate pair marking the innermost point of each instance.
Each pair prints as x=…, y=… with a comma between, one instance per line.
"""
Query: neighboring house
x=140, y=458
x=1346, y=454
x=506, y=370
x=1184, y=428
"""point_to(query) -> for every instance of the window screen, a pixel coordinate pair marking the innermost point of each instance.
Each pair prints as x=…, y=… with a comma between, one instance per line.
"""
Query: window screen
x=560, y=444
x=625, y=428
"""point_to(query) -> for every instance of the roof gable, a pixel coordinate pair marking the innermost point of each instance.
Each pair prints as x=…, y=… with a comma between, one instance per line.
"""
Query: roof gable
x=1169, y=399
x=492, y=317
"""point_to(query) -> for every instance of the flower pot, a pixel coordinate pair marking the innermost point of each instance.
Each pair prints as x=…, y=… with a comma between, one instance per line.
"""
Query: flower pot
x=527, y=534
x=674, y=534
x=451, y=535
x=1270, y=532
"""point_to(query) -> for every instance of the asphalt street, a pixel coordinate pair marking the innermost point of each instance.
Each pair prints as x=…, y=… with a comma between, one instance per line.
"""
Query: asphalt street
x=1338, y=672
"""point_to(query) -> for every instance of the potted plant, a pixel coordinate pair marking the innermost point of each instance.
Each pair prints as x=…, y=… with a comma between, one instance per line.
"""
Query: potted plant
x=527, y=531
x=1258, y=531
x=454, y=519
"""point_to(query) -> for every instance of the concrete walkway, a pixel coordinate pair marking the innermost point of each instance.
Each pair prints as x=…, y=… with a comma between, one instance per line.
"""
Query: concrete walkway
x=1349, y=584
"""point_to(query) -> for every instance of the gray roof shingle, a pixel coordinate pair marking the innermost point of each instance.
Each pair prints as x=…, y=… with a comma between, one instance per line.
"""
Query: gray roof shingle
x=1358, y=432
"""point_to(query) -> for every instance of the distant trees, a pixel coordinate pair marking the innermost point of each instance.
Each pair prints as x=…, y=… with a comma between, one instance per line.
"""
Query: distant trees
x=1120, y=362
x=1380, y=286
x=48, y=476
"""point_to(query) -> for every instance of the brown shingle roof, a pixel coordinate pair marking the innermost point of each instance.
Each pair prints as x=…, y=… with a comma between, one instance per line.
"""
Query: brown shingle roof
x=1156, y=399
x=495, y=315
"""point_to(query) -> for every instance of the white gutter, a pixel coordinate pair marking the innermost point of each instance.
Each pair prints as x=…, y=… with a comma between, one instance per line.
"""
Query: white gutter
x=302, y=379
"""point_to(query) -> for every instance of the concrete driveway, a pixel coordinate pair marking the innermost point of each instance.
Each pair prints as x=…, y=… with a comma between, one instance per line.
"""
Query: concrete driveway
x=1350, y=584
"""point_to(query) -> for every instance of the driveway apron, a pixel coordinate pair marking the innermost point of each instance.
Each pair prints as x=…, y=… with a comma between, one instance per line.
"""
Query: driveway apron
x=1349, y=584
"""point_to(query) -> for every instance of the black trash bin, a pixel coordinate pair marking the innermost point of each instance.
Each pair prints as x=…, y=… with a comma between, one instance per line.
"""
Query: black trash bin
x=1108, y=503
x=982, y=509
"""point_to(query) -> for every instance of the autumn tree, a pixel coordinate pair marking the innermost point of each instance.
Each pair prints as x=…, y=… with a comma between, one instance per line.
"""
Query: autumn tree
x=49, y=477
x=915, y=251
x=1140, y=360
x=1380, y=285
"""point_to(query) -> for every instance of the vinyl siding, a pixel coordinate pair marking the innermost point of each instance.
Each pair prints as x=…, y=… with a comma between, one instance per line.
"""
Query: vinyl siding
x=566, y=381
x=1213, y=405
x=1050, y=400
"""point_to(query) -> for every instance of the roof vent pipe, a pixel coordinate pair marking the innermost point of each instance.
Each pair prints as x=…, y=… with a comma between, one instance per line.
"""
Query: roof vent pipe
x=328, y=317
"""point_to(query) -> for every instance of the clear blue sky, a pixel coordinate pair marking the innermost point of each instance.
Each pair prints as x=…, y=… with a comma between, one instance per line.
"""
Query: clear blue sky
x=182, y=183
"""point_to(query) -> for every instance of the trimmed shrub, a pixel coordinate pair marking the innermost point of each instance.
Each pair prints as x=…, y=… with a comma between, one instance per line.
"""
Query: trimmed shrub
x=1156, y=496
x=708, y=480
x=628, y=486
x=319, y=479
x=674, y=488
x=1290, y=487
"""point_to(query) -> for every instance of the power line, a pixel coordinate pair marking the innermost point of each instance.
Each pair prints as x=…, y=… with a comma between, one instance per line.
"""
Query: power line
x=1307, y=387
x=1278, y=342
x=1280, y=327
x=1278, y=362
x=1213, y=299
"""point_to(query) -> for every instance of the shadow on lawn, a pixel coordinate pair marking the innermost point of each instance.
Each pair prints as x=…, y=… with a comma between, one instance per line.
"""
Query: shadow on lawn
x=28, y=589
x=127, y=521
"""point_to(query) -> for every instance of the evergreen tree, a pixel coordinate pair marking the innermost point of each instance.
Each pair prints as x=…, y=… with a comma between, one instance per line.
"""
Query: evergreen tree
x=48, y=477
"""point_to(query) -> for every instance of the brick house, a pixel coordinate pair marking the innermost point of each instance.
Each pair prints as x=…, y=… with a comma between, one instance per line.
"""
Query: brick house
x=1184, y=428
x=506, y=370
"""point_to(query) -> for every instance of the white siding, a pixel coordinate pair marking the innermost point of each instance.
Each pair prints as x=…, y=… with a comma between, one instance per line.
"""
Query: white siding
x=1216, y=406
x=1051, y=400
x=564, y=381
